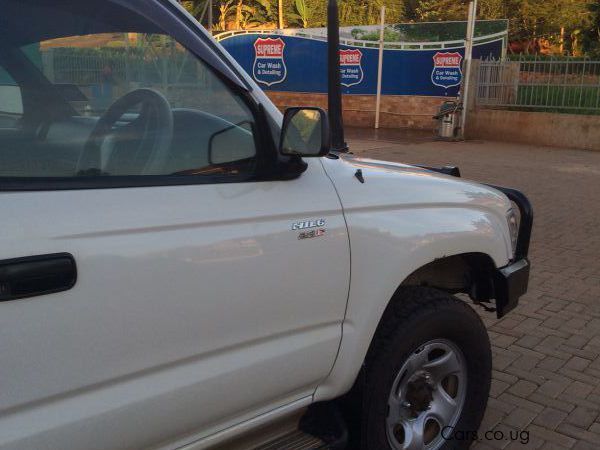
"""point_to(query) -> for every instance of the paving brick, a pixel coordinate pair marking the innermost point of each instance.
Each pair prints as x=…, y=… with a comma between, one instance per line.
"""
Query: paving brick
x=592, y=372
x=577, y=363
x=527, y=442
x=503, y=340
x=552, y=436
x=517, y=401
x=578, y=433
x=578, y=389
x=527, y=351
x=590, y=404
x=492, y=417
x=552, y=342
x=582, y=417
x=576, y=323
x=582, y=445
x=588, y=353
x=481, y=446
x=529, y=341
x=579, y=376
x=552, y=388
x=520, y=418
x=549, y=375
x=504, y=407
x=551, y=363
x=498, y=387
x=595, y=428
x=550, y=418
x=577, y=341
x=526, y=362
x=552, y=446
x=510, y=322
x=522, y=388
x=503, y=376
x=523, y=374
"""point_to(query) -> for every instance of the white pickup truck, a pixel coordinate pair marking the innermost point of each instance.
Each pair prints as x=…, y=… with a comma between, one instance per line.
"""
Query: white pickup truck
x=182, y=267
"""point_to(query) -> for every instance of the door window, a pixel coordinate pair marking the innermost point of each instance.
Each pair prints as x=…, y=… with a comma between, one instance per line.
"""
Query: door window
x=131, y=102
x=11, y=102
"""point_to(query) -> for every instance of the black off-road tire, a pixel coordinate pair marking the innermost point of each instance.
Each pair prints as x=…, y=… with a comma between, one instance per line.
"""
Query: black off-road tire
x=418, y=315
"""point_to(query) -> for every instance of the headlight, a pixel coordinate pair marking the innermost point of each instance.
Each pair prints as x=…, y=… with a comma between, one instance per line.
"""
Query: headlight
x=513, y=227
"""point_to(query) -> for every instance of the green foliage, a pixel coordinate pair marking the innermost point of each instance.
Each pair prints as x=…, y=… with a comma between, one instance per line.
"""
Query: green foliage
x=591, y=36
x=446, y=31
x=572, y=24
x=267, y=11
x=303, y=13
x=389, y=35
x=438, y=10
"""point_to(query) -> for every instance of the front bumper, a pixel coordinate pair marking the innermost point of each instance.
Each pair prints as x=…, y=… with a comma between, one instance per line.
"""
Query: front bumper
x=510, y=284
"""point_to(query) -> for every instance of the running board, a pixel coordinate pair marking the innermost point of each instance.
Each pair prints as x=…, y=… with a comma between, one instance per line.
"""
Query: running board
x=320, y=428
x=296, y=440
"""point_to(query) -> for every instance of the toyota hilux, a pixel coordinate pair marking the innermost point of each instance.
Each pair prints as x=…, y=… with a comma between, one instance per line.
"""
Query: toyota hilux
x=183, y=266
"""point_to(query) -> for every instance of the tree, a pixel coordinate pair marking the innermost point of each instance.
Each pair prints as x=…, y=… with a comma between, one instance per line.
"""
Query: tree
x=492, y=9
x=267, y=12
x=440, y=10
x=573, y=25
x=559, y=22
x=591, y=36
x=302, y=14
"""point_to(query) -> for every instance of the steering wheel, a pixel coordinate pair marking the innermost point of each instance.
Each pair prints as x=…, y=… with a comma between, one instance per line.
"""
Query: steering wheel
x=137, y=148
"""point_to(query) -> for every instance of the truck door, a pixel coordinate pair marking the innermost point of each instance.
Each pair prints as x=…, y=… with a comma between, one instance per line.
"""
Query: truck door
x=153, y=289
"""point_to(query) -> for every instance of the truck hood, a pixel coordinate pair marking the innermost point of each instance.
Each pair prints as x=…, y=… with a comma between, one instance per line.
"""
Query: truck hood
x=394, y=185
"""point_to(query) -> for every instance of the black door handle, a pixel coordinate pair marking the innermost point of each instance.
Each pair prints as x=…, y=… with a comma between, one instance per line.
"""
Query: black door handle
x=36, y=275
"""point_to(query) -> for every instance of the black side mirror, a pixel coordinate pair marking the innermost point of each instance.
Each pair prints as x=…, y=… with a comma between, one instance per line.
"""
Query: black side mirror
x=305, y=133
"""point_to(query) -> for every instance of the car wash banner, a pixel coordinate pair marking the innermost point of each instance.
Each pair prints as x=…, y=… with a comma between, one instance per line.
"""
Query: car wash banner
x=299, y=64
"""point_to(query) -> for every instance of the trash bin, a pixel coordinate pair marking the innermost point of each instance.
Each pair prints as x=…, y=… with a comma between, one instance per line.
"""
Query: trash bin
x=448, y=119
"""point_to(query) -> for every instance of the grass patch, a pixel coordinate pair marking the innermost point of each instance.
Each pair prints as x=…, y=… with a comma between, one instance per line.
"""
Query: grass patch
x=560, y=99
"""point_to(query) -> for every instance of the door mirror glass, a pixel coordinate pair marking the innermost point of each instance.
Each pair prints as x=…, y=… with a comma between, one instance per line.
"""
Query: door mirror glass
x=305, y=132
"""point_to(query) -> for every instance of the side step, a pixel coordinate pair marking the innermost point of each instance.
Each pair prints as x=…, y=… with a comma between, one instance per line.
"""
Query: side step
x=296, y=440
x=320, y=428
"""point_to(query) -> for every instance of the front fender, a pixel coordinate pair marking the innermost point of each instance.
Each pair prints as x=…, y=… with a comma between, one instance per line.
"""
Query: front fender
x=390, y=242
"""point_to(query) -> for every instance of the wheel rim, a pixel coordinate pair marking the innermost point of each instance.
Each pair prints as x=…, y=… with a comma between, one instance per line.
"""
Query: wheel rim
x=427, y=396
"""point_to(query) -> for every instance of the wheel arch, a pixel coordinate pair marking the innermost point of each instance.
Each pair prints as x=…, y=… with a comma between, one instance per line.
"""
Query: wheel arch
x=470, y=273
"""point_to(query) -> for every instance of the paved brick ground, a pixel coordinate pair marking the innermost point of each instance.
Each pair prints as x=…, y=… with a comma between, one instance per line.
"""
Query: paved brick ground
x=546, y=377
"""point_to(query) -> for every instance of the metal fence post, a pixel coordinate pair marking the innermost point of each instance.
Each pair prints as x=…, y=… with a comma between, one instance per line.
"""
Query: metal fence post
x=468, y=57
x=380, y=68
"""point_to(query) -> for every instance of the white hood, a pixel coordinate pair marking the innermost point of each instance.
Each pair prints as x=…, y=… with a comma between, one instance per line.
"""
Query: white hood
x=389, y=184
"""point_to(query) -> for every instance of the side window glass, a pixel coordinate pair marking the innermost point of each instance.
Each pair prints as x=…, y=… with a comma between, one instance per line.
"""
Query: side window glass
x=11, y=101
x=129, y=104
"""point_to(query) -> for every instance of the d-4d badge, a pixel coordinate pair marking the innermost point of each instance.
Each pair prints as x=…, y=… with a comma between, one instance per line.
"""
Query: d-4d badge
x=446, y=69
x=269, y=63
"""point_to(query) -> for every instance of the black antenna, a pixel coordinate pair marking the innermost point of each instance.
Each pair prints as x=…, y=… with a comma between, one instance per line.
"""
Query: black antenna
x=334, y=99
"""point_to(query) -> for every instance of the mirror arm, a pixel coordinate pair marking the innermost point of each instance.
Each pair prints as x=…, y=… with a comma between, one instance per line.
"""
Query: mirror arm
x=285, y=168
x=293, y=167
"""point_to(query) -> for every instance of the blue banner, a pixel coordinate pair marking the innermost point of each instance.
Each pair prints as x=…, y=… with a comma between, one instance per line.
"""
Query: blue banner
x=299, y=64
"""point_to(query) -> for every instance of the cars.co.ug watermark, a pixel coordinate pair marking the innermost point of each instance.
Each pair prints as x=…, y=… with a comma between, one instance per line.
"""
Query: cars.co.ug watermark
x=453, y=434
